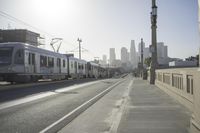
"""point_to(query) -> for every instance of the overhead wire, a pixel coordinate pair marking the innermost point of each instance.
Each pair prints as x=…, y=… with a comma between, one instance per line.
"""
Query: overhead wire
x=14, y=19
x=10, y=17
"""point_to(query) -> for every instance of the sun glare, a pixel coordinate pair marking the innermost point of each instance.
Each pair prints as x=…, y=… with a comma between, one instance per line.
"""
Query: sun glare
x=53, y=8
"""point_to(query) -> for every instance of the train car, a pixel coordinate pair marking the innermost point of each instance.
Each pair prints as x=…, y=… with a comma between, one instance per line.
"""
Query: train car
x=103, y=72
x=20, y=62
x=77, y=68
x=92, y=70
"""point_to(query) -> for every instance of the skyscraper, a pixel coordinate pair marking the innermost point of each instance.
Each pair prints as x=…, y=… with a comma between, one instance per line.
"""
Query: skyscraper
x=112, y=56
x=133, y=58
x=162, y=50
x=104, y=59
x=146, y=52
x=124, y=55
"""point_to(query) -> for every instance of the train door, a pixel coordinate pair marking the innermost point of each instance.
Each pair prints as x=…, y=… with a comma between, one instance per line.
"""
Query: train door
x=75, y=67
x=31, y=63
x=59, y=65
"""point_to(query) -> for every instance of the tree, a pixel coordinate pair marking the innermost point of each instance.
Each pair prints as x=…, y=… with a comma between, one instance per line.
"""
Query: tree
x=147, y=61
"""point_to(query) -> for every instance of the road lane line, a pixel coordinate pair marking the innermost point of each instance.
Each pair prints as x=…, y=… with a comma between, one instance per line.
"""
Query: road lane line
x=56, y=126
x=118, y=115
x=43, y=95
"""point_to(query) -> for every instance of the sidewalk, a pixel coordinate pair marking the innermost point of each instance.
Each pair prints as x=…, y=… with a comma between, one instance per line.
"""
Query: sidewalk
x=132, y=108
x=150, y=110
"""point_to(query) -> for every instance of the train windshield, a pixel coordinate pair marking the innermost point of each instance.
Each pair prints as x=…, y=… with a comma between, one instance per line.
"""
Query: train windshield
x=5, y=55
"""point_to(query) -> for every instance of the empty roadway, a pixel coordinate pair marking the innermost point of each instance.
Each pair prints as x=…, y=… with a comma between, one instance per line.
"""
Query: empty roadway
x=35, y=115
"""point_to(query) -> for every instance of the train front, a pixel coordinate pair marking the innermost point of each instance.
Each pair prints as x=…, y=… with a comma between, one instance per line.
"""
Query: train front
x=10, y=60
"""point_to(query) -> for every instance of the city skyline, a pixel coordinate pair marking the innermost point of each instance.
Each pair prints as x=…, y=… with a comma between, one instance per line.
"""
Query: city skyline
x=114, y=23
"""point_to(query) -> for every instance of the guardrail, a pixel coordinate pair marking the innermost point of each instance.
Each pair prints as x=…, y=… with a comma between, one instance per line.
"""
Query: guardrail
x=183, y=84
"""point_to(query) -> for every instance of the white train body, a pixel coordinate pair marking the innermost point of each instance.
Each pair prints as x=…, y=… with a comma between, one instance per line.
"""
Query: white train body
x=77, y=68
x=20, y=62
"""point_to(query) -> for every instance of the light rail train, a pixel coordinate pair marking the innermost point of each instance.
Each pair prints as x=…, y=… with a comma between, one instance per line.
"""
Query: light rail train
x=21, y=62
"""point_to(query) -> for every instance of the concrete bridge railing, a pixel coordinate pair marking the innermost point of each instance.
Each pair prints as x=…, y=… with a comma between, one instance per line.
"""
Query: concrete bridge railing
x=183, y=84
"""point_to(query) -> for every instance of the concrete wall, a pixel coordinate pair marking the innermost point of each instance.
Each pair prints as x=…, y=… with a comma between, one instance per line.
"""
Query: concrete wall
x=183, y=84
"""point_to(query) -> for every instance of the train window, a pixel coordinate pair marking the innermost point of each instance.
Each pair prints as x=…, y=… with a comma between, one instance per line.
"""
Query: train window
x=29, y=58
x=58, y=62
x=75, y=65
x=72, y=64
x=50, y=62
x=79, y=66
x=33, y=58
x=63, y=63
x=43, y=61
x=19, y=56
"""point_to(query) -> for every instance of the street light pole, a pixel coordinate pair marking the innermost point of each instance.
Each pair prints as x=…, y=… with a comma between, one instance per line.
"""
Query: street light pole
x=79, y=42
x=142, y=48
x=141, y=51
x=154, y=42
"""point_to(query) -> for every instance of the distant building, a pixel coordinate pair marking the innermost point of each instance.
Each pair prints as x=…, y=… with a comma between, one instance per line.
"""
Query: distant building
x=146, y=52
x=20, y=35
x=128, y=56
x=112, y=56
x=162, y=50
x=182, y=63
x=104, y=59
x=124, y=55
x=162, y=54
x=133, y=57
x=116, y=63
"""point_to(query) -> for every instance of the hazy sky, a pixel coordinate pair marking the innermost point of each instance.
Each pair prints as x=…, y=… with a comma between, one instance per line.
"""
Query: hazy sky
x=108, y=23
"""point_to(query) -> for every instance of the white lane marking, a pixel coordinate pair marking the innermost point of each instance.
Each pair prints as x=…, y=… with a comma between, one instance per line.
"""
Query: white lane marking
x=118, y=115
x=43, y=95
x=79, y=107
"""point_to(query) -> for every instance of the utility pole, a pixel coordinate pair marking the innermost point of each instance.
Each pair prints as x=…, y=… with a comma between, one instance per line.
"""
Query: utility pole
x=79, y=41
x=142, y=57
x=154, y=42
x=142, y=45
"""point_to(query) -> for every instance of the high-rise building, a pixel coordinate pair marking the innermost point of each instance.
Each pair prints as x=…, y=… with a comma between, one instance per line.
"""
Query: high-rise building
x=165, y=51
x=162, y=50
x=112, y=56
x=104, y=59
x=146, y=52
x=133, y=58
x=124, y=55
x=162, y=54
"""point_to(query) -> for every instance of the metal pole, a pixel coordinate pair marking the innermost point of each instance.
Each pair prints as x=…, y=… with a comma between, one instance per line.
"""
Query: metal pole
x=154, y=42
x=79, y=40
x=141, y=57
x=142, y=53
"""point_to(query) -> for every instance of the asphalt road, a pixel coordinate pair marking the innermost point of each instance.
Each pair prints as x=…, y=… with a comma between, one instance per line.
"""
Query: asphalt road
x=31, y=109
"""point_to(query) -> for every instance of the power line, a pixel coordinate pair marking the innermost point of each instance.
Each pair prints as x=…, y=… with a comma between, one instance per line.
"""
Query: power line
x=6, y=15
x=14, y=19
